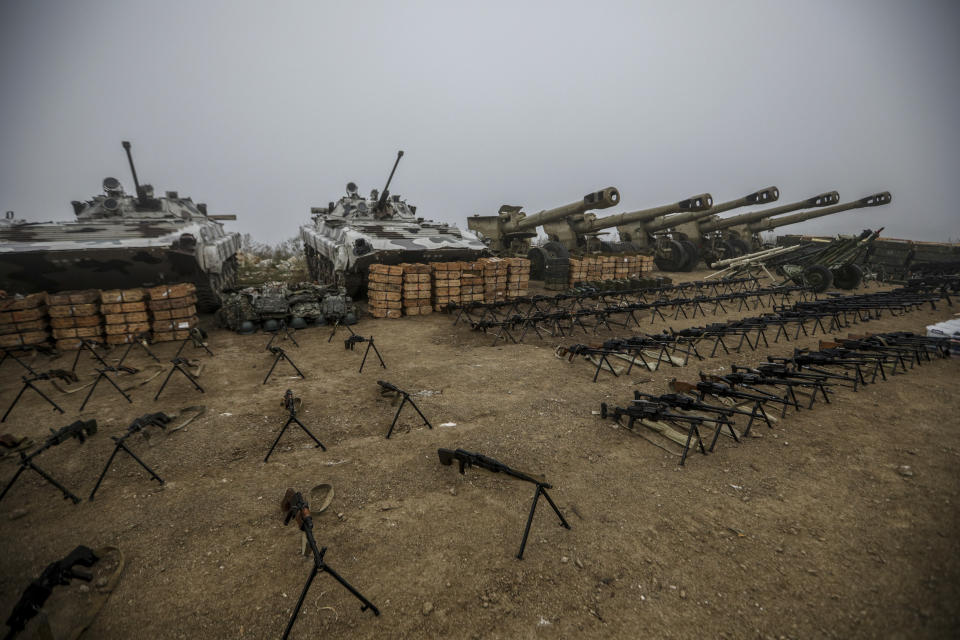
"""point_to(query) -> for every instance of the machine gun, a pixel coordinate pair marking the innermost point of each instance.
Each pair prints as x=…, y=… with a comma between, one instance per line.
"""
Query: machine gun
x=722, y=390
x=292, y=405
x=81, y=430
x=772, y=374
x=295, y=507
x=57, y=573
x=657, y=412
x=66, y=376
x=689, y=403
x=752, y=381
x=158, y=419
x=387, y=388
x=355, y=339
x=466, y=459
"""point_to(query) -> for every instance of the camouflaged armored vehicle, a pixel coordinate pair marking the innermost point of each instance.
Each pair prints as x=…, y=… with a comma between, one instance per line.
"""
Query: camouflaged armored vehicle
x=346, y=237
x=122, y=241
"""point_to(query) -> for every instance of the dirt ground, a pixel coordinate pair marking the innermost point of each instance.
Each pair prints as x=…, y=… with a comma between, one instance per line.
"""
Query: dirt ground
x=808, y=530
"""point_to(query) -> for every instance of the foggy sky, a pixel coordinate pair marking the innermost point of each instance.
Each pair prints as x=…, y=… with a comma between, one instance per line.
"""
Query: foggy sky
x=265, y=109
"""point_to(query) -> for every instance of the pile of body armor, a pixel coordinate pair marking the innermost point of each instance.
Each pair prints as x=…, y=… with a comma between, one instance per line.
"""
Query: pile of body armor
x=245, y=310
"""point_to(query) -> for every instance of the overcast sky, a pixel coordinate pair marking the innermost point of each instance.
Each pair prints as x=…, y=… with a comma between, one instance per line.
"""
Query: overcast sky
x=263, y=109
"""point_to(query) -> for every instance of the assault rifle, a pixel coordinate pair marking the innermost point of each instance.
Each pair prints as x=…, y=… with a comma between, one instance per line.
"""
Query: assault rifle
x=467, y=459
x=81, y=430
x=57, y=573
x=657, y=412
x=295, y=507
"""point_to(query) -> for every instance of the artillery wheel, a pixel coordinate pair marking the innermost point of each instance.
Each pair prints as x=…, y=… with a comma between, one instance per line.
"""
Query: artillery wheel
x=540, y=256
x=670, y=256
x=817, y=277
x=693, y=255
x=849, y=276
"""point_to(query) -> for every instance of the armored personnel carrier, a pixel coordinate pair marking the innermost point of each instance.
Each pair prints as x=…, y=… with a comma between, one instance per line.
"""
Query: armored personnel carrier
x=122, y=241
x=346, y=237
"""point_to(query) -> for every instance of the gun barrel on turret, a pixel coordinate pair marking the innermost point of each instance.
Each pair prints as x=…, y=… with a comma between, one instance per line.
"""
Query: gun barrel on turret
x=602, y=199
x=770, y=194
x=133, y=169
x=822, y=200
x=697, y=203
x=875, y=200
x=382, y=202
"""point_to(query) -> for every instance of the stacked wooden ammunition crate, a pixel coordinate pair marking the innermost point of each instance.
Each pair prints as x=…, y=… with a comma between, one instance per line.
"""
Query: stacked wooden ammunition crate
x=75, y=317
x=385, y=291
x=417, y=288
x=125, y=313
x=173, y=311
x=471, y=282
x=23, y=321
x=495, y=272
x=518, y=277
x=446, y=284
x=608, y=267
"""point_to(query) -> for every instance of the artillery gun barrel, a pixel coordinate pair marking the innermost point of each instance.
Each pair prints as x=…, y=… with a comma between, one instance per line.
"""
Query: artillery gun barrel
x=770, y=194
x=874, y=200
x=822, y=200
x=696, y=203
x=602, y=199
x=133, y=169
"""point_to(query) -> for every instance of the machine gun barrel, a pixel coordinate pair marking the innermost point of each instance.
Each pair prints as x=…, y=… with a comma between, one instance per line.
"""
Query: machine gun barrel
x=822, y=200
x=875, y=200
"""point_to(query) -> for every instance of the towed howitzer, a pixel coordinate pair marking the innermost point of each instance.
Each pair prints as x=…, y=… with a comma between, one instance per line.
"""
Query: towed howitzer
x=675, y=238
x=721, y=238
x=56, y=574
x=579, y=232
x=509, y=232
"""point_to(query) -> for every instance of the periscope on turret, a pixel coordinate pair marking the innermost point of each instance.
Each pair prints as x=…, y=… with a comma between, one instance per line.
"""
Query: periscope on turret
x=122, y=240
x=344, y=238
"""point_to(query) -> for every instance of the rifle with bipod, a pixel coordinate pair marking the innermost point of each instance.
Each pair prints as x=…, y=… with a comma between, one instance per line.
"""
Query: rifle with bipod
x=689, y=403
x=466, y=459
x=81, y=430
x=657, y=412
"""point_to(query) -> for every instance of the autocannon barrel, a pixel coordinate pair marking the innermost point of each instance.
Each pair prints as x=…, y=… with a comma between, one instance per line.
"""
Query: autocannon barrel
x=874, y=200
x=770, y=194
x=602, y=199
x=822, y=200
x=697, y=203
